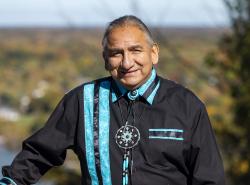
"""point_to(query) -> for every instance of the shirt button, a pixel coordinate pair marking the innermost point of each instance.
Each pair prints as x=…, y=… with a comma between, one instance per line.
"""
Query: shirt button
x=134, y=93
x=134, y=170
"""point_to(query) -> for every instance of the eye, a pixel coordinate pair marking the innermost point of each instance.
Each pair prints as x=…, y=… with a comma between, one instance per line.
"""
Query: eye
x=114, y=53
x=136, y=51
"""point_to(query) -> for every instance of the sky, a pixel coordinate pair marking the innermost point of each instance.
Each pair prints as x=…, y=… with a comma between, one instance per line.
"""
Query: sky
x=55, y=13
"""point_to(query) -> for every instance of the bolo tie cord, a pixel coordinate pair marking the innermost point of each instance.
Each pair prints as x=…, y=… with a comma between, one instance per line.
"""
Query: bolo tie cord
x=128, y=153
x=129, y=110
x=131, y=150
x=131, y=156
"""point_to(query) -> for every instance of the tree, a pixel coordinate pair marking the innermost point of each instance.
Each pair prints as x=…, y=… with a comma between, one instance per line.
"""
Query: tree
x=232, y=67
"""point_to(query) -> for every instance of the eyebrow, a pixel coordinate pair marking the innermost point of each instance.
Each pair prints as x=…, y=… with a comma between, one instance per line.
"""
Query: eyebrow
x=135, y=47
x=120, y=49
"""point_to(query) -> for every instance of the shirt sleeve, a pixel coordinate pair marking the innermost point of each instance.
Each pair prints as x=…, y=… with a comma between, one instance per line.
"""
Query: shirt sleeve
x=206, y=163
x=46, y=148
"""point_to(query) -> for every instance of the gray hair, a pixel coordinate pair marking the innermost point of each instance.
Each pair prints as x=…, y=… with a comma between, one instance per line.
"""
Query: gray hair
x=127, y=20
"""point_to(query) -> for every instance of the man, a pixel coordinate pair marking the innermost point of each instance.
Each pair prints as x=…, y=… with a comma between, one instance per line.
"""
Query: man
x=131, y=128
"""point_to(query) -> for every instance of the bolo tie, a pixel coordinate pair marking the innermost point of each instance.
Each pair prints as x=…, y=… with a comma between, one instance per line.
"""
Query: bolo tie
x=127, y=137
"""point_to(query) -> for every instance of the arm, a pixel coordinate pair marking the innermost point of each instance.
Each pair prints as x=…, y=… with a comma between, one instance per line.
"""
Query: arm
x=206, y=163
x=46, y=148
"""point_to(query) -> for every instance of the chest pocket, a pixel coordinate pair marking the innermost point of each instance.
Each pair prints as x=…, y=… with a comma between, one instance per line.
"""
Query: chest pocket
x=166, y=134
x=164, y=146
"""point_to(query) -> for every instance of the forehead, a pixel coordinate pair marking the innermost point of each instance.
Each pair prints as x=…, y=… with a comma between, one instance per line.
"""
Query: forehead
x=126, y=35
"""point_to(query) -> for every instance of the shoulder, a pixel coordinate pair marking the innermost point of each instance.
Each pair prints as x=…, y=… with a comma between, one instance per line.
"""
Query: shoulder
x=78, y=90
x=178, y=95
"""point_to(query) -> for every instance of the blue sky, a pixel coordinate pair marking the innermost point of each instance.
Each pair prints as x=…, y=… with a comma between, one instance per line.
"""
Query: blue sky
x=99, y=12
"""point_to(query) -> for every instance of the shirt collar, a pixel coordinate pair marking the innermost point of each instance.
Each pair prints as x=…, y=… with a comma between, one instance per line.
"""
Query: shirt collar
x=147, y=90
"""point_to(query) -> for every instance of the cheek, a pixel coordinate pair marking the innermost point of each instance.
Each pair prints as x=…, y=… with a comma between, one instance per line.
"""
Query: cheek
x=111, y=64
x=139, y=57
x=144, y=58
x=114, y=73
x=112, y=68
x=146, y=61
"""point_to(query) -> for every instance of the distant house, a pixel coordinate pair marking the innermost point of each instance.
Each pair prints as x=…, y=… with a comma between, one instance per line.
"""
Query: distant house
x=9, y=114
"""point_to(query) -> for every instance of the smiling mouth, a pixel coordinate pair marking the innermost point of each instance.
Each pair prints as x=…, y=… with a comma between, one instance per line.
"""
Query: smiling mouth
x=128, y=73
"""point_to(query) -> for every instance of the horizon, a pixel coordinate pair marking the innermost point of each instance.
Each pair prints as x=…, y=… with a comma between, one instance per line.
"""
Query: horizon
x=81, y=13
x=103, y=27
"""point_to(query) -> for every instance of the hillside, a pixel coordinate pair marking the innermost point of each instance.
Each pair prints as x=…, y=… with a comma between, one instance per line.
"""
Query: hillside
x=39, y=65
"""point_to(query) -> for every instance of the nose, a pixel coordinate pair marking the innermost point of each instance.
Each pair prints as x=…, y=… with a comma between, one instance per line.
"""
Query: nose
x=127, y=61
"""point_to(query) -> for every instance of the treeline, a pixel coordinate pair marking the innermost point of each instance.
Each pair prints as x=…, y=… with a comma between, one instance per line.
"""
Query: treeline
x=37, y=66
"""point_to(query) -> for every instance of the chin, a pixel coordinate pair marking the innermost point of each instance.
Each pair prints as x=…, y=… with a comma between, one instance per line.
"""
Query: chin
x=130, y=85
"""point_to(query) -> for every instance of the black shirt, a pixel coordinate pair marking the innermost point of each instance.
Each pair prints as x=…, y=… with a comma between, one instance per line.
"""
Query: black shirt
x=177, y=145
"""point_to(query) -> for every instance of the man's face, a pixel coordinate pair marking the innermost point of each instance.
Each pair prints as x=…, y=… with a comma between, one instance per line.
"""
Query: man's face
x=129, y=57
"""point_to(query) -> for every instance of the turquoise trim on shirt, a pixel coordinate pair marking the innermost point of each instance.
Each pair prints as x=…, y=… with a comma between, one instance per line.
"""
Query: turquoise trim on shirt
x=161, y=137
x=12, y=182
x=150, y=99
x=1, y=183
x=145, y=86
x=104, y=121
x=141, y=89
x=165, y=129
x=88, y=98
x=113, y=96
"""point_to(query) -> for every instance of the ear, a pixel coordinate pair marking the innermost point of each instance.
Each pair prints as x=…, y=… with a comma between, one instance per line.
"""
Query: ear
x=104, y=56
x=155, y=53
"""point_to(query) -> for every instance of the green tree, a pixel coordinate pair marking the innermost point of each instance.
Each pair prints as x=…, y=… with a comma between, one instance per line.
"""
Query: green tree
x=231, y=63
